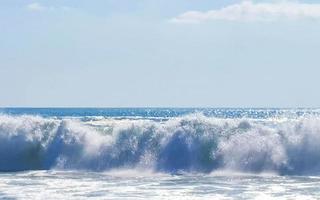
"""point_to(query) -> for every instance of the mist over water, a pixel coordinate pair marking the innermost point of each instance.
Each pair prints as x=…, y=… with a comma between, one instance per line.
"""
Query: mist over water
x=189, y=143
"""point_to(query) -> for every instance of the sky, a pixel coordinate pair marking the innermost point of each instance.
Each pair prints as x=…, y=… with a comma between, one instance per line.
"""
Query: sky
x=152, y=53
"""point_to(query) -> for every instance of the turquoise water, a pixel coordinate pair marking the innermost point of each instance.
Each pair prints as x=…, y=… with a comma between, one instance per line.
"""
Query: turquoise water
x=159, y=153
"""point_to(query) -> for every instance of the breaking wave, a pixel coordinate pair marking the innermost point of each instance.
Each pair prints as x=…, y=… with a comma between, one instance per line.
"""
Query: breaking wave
x=193, y=143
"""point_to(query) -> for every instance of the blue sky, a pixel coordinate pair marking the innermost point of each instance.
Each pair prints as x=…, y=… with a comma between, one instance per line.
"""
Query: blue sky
x=160, y=53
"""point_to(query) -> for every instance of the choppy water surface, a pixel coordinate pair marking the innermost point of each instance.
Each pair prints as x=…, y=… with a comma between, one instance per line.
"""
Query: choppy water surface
x=137, y=153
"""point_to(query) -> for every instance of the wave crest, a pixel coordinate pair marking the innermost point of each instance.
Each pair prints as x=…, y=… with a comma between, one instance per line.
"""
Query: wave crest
x=192, y=143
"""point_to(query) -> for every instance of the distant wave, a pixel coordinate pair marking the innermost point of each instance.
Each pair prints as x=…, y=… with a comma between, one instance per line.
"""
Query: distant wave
x=193, y=143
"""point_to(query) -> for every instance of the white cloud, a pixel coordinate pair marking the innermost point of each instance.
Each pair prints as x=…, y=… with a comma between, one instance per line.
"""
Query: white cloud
x=249, y=11
x=36, y=7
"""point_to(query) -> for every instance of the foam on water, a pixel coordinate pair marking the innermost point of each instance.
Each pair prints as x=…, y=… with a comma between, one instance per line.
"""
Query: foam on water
x=186, y=144
x=119, y=185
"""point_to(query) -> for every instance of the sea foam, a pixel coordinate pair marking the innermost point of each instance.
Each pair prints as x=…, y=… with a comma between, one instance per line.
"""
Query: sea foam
x=193, y=143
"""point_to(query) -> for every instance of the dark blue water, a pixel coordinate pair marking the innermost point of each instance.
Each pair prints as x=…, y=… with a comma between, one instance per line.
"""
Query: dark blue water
x=257, y=113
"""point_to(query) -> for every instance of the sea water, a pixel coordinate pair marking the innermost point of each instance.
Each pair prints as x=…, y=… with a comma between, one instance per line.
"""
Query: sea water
x=159, y=153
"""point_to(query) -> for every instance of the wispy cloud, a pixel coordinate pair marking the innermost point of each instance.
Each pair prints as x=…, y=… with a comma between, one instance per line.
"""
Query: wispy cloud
x=36, y=7
x=249, y=11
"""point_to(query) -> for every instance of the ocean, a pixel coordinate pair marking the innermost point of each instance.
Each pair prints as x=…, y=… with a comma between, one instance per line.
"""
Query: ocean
x=159, y=153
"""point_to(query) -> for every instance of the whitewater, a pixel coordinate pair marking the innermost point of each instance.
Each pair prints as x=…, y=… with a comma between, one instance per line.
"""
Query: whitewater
x=159, y=153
